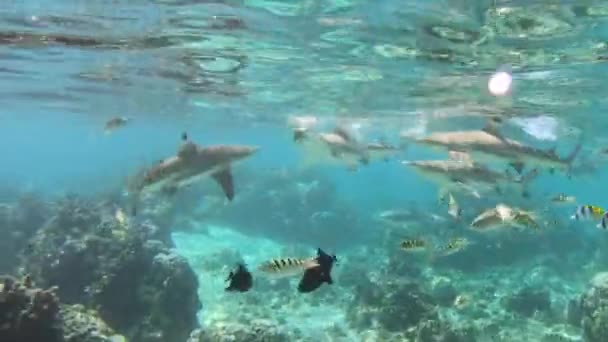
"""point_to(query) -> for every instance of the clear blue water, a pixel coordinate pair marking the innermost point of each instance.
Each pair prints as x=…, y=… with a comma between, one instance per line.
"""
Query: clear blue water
x=234, y=71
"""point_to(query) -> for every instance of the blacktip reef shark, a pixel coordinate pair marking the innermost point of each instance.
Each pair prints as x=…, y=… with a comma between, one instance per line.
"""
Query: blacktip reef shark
x=340, y=147
x=192, y=163
x=488, y=144
x=337, y=146
x=461, y=172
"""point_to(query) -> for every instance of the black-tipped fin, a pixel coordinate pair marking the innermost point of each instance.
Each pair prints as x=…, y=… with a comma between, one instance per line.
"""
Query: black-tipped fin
x=343, y=132
x=299, y=134
x=224, y=179
x=518, y=166
x=187, y=150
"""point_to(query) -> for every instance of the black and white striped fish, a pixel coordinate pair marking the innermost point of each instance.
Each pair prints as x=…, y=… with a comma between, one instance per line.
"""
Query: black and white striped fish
x=586, y=212
x=604, y=222
x=287, y=266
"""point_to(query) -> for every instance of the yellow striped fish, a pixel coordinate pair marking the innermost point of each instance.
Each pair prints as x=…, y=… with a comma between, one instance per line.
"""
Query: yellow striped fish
x=287, y=266
x=586, y=212
x=455, y=245
x=413, y=245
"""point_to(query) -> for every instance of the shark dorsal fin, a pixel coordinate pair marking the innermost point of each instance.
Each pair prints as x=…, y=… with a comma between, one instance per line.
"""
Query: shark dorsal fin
x=342, y=132
x=187, y=150
x=491, y=127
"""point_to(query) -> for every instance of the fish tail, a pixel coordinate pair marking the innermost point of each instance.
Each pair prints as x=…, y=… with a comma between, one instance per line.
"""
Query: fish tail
x=524, y=179
x=569, y=160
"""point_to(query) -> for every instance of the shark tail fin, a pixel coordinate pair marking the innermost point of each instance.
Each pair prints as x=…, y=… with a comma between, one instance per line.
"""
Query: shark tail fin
x=572, y=156
x=492, y=127
x=524, y=179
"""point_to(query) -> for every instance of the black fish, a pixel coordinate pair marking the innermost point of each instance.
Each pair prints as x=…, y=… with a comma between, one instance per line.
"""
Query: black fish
x=314, y=277
x=240, y=279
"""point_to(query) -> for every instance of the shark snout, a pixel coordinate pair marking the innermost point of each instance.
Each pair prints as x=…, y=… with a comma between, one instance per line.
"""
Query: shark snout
x=240, y=152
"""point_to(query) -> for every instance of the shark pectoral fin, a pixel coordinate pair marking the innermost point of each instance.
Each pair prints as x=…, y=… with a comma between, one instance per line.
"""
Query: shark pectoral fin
x=518, y=166
x=224, y=179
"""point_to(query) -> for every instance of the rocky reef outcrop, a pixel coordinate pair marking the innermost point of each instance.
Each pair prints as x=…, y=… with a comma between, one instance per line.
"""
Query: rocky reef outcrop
x=594, y=309
x=528, y=301
x=398, y=307
x=124, y=270
x=30, y=314
x=27, y=313
x=19, y=221
x=258, y=330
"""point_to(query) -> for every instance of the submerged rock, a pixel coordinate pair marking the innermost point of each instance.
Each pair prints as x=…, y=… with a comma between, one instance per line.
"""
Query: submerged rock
x=594, y=307
x=400, y=307
x=29, y=314
x=82, y=325
x=528, y=301
x=254, y=331
x=19, y=221
x=139, y=287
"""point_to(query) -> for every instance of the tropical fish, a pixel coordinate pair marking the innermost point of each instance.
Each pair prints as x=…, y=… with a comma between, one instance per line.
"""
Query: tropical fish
x=603, y=224
x=453, y=246
x=240, y=279
x=314, y=277
x=413, y=245
x=587, y=212
x=461, y=301
x=115, y=123
x=563, y=198
x=287, y=266
x=121, y=217
x=453, y=207
x=489, y=145
x=397, y=217
x=193, y=163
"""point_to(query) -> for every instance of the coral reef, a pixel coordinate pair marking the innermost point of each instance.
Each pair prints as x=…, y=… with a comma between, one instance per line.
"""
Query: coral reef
x=258, y=330
x=28, y=314
x=139, y=287
x=82, y=325
x=594, y=308
x=398, y=307
x=18, y=223
x=31, y=314
x=528, y=301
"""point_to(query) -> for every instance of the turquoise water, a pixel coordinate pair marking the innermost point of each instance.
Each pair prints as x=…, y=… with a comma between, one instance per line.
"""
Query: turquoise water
x=236, y=72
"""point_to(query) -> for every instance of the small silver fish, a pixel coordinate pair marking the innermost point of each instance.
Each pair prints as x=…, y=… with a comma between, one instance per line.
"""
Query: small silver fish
x=453, y=207
x=563, y=198
x=115, y=123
